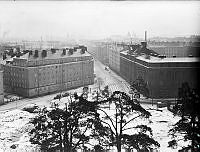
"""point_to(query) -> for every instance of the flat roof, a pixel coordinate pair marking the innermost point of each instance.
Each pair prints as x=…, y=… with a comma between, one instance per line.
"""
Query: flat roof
x=154, y=59
x=168, y=60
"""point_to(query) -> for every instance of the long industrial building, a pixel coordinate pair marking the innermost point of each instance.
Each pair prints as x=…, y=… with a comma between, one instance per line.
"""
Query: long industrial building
x=163, y=75
x=41, y=72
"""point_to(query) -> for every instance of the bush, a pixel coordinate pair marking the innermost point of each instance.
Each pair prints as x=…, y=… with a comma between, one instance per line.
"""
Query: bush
x=32, y=108
x=66, y=94
x=58, y=96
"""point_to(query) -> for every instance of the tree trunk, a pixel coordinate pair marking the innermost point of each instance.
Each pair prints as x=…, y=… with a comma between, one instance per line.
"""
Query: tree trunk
x=193, y=133
x=119, y=144
x=60, y=145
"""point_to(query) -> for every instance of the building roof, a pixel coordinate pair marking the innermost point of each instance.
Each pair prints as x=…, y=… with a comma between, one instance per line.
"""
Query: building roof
x=57, y=55
x=144, y=50
x=154, y=59
x=139, y=49
x=8, y=59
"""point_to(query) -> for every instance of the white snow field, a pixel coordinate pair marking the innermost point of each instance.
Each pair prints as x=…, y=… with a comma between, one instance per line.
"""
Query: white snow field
x=14, y=129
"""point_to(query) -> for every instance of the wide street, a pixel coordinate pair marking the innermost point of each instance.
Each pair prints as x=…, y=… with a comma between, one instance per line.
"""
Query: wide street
x=110, y=78
x=103, y=78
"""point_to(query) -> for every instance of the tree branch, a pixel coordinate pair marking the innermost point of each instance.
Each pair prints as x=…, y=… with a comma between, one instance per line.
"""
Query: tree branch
x=128, y=128
x=108, y=118
x=81, y=138
x=130, y=121
x=108, y=126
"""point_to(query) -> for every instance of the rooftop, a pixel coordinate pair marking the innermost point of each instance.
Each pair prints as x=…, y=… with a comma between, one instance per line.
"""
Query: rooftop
x=154, y=59
x=49, y=54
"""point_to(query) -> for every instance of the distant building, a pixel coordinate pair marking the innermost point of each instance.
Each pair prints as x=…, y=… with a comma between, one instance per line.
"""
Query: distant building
x=1, y=86
x=163, y=75
x=42, y=72
x=100, y=51
x=114, y=57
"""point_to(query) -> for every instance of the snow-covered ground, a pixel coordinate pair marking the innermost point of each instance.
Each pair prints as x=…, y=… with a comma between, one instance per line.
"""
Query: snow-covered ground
x=14, y=128
x=160, y=122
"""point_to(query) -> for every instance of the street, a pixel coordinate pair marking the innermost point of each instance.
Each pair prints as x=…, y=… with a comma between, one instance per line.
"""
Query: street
x=103, y=78
x=110, y=78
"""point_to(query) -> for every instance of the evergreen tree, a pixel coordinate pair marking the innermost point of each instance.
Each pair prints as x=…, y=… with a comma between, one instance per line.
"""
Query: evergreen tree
x=187, y=107
x=116, y=123
x=64, y=129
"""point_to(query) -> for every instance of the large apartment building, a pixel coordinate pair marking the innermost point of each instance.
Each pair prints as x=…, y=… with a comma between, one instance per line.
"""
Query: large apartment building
x=1, y=86
x=114, y=56
x=45, y=71
x=163, y=75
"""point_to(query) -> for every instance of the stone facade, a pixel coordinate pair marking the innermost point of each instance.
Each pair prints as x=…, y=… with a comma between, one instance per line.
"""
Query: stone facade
x=42, y=72
x=114, y=57
x=163, y=75
x=1, y=87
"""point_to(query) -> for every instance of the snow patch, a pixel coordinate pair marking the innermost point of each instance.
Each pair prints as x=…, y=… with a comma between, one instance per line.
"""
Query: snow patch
x=14, y=128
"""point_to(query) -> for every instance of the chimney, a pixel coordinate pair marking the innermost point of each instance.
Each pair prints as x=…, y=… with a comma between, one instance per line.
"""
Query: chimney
x=144, y=44
x=83, y=49
x=162, y=56
x=4, y=56
x=36, y=53
x=145, y=38
x=30, y=52
x=75, y=49
x=70, y=52
x=64, y=52
x=53, y=50
x=44, y=53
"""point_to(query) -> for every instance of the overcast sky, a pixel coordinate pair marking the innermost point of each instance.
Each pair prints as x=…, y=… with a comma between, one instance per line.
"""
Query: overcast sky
x=98, y=19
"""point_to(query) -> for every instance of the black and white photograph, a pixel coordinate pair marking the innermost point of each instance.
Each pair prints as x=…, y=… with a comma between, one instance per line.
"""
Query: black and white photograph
x=99, y=76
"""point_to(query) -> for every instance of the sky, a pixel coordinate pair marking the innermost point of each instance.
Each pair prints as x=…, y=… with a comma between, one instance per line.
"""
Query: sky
x=95, y=20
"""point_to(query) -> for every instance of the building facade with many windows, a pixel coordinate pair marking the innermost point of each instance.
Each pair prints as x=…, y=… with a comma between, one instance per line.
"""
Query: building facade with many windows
x=163, y=75
x=114, y=57
x=1, y=86
x=42, y=72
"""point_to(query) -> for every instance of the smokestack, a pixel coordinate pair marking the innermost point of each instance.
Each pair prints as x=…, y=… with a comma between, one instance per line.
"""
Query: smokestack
x=145, y=36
